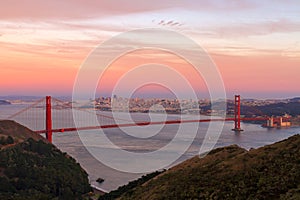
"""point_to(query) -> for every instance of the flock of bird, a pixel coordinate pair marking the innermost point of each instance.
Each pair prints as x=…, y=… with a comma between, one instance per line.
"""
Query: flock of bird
x=169, y=23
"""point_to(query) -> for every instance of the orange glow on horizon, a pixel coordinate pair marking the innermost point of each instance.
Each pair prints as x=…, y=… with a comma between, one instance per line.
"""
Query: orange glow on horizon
x=135, y=59
x=43, y=44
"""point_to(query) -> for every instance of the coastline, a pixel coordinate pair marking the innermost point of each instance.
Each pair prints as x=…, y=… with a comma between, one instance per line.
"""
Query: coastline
x=99, y=190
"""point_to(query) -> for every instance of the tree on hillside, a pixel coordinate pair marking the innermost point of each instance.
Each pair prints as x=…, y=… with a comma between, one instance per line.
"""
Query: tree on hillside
x=9, y=140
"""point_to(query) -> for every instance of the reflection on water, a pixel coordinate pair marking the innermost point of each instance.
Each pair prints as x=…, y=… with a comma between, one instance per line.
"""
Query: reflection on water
x=253, y=136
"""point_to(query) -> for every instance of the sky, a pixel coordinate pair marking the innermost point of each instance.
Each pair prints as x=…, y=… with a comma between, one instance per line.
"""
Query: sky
x=254, y=44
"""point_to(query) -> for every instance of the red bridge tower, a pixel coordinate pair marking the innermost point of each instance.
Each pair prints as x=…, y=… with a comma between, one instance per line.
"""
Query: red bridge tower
x=48, y=119
x=237, y=114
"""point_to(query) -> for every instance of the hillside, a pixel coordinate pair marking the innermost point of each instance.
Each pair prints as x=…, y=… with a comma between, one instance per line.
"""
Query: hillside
x=270, y=172
x=32, y=168
x=277, y=109
x=4, y=102
x=18, y=132
x=292, y=107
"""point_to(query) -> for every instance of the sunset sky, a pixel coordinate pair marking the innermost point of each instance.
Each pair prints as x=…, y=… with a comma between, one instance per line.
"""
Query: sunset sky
x=255, y=44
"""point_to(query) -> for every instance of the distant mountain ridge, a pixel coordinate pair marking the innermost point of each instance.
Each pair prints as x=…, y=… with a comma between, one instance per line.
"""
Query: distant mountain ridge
x=4, y=102
x=32, y=98
x=297, y=99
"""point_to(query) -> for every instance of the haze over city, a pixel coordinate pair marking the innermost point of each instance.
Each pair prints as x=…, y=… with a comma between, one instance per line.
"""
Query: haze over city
x=255, y=44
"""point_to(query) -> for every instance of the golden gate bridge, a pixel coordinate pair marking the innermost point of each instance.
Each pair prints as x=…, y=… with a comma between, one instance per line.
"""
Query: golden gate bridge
x=39, y=117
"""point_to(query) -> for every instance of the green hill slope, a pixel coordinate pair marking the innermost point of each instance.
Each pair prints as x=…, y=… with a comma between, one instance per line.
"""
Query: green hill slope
x=32, y=168
x=270, y=172
x=17, y=131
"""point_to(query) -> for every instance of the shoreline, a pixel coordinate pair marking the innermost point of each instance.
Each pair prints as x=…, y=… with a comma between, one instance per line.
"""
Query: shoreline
x=99, y=189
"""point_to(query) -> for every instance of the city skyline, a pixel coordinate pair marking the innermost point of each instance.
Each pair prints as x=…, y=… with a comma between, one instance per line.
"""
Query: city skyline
x=255, y=45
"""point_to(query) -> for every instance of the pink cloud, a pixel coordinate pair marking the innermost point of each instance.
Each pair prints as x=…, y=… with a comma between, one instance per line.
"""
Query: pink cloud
x=256, y=28
x=78, y=9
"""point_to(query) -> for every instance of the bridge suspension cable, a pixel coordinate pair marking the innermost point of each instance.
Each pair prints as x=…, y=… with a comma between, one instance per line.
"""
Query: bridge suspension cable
x=49, y=115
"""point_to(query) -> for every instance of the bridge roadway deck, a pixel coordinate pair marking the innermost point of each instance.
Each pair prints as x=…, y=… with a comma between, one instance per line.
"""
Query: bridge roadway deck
x=148, y=123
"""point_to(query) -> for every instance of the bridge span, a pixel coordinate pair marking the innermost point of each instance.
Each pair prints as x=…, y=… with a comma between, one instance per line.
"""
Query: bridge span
x=46, y=104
